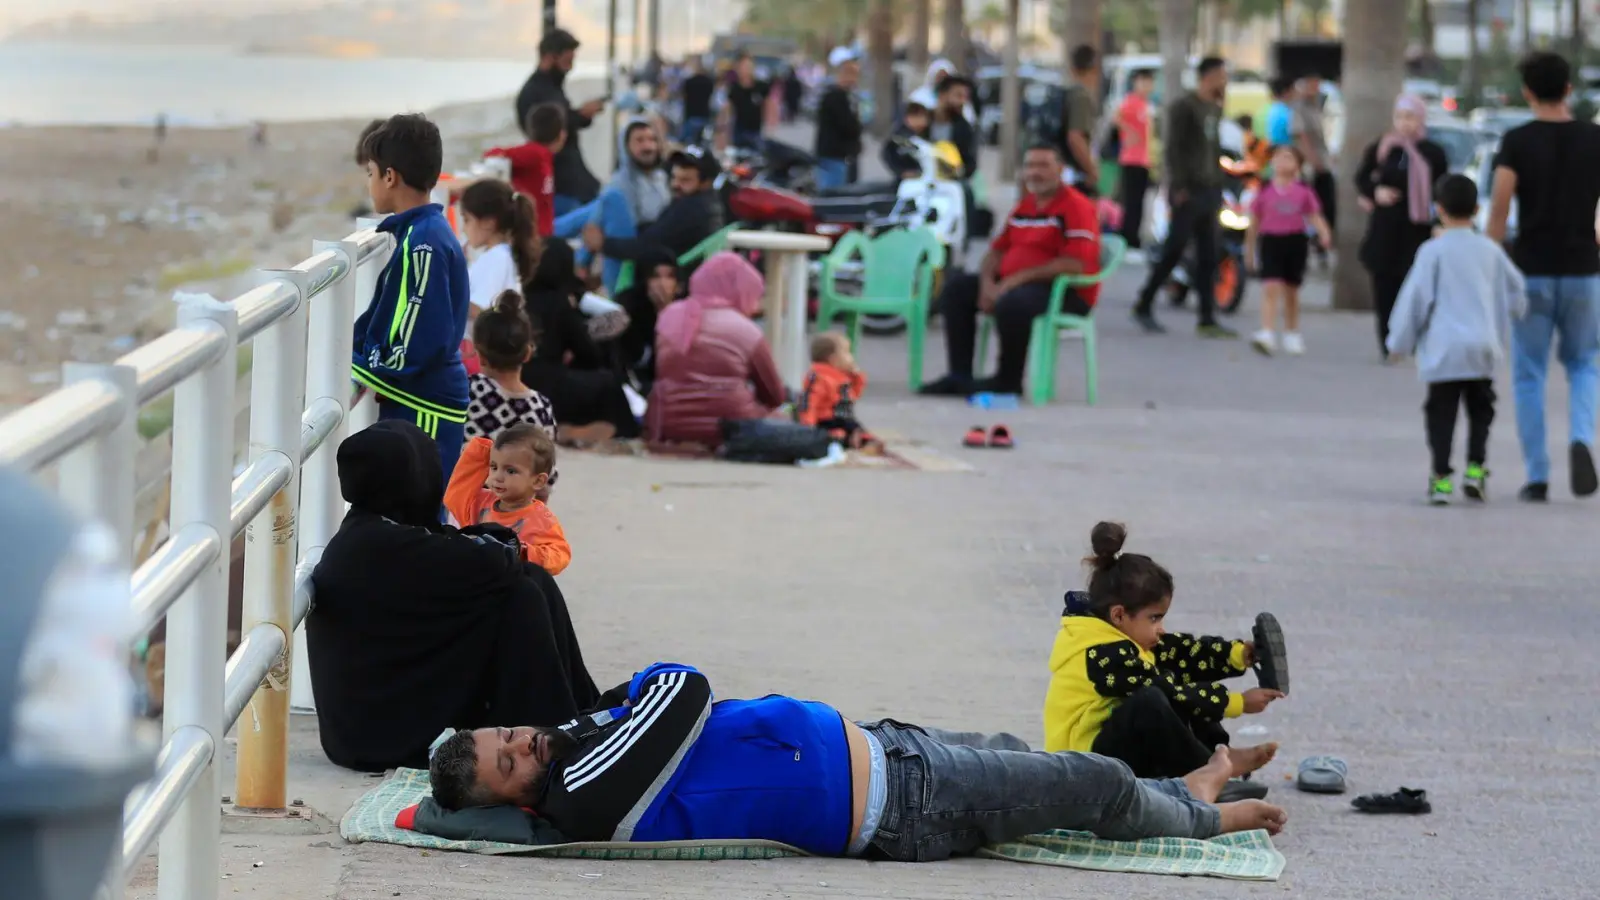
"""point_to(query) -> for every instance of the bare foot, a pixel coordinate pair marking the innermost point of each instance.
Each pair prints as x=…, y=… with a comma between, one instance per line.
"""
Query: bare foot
x=1248, y=759
x=1248, y=815
x=1207, y=781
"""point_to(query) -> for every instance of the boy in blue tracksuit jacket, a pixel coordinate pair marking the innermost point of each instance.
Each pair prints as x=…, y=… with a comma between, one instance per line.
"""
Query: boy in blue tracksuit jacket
x=407, y=344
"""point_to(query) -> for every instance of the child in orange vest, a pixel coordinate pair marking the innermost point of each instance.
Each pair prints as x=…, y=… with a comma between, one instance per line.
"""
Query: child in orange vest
x=500, y=481
x=832, y=388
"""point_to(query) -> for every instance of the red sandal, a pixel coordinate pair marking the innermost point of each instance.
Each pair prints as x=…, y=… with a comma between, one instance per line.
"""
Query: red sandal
x=976, y=437
x=1000, y=438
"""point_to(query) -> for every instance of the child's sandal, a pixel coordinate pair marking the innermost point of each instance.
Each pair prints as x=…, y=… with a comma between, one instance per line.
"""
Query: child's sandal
x=975, y=437
x=1272, y=662
x=1000, y=438
x=1406, y=800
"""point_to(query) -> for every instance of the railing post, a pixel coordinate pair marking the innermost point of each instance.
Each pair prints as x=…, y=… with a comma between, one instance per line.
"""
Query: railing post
x=97, y=482
x=327, y=376
x=277, y=398
x=197, y=626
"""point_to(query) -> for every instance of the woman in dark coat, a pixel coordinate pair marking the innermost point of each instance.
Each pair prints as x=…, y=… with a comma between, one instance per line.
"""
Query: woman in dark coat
x=1395, y=184
x=567, y=367
x=417, y=627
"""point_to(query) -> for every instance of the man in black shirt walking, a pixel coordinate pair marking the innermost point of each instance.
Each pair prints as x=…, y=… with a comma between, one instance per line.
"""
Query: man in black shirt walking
x=698, y=89
x=745, y=111
x=575, y=184
x=1549, y=167
x=839, y=122
x=1194, y=190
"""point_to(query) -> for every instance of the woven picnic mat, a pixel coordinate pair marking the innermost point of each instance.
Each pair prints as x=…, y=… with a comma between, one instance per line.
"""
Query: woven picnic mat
x=1249, y=856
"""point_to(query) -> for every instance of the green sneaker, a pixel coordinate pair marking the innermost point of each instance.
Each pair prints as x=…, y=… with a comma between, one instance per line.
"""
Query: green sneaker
x=1475, y=484
x=1216, y=331
x=1439, y=490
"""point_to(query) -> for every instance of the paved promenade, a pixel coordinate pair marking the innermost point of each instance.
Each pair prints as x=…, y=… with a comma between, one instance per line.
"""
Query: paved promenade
x=1446, y=649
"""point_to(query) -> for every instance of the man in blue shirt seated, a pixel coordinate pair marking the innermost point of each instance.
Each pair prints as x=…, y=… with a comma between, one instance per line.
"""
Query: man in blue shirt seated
x=671, y=764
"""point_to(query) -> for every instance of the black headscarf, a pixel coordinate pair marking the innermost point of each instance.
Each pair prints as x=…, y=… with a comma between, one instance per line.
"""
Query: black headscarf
x=392, y=469
x=418, y=627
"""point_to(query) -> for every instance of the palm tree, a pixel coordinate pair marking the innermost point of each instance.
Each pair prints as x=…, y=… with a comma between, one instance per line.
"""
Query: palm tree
x=1473, y=70
x=1082, y=26
x=1374, y=67
x=921, y=21
x=880, y=49
x=991, y=18
x=1177, y=32
x=955, y=32
x=1428, y=29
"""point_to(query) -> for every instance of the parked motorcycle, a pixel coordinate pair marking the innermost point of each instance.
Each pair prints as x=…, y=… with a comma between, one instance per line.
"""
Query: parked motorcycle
x=1240, y=183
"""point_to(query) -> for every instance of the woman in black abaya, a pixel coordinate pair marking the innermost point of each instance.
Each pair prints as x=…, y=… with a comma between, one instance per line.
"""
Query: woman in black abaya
x=417, y=627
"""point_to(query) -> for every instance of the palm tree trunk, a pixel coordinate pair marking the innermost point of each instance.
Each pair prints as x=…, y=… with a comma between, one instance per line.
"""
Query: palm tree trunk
x=921, y=21
x=955, y=33
x=1525, y=16
x=1577, y=34
x=1082, y=20
x=1428, y=29
x=1283, y=19
x=1374, y=67
x=1177, y=32
x=880, y=49
x=1010, y=93
x=1472, y=76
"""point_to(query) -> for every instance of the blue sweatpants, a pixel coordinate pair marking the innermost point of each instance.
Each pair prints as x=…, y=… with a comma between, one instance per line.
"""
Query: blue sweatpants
x=449, y=436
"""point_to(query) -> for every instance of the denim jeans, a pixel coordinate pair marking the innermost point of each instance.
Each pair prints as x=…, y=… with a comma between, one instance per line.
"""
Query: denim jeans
x=747, y=140
x=946, y=800
x=693, y=131
x=1568, y=308
x=832, y=173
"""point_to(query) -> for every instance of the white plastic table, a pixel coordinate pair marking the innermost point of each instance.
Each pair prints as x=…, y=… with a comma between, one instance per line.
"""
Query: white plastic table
x=785, y=303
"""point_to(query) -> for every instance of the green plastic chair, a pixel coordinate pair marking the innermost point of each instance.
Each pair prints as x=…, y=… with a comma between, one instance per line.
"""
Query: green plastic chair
x=897, y=274
x=696, y=254
x=1046, y=337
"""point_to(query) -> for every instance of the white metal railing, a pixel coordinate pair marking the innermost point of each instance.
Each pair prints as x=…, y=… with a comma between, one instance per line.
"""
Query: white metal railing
x=286, y=502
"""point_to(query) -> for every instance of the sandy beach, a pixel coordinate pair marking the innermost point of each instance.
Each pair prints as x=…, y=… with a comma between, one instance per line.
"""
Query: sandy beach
x=101, y=226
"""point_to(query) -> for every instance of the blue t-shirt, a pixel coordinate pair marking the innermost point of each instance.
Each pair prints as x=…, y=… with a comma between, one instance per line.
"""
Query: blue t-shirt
x=1278, y=117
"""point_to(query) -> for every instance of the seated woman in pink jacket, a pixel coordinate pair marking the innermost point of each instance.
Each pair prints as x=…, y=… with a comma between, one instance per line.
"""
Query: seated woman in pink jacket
x=712, y=362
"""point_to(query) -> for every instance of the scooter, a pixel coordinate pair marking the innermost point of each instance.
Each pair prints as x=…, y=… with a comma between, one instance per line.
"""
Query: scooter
x=1233, y=224
x=935, y=199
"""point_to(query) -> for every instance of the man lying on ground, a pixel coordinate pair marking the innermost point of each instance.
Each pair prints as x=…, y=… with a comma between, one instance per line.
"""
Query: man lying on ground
x=672, y=765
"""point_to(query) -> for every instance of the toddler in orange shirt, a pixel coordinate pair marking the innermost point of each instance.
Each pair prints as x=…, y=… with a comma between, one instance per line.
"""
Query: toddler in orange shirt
x=500, y=481
x=832, y=388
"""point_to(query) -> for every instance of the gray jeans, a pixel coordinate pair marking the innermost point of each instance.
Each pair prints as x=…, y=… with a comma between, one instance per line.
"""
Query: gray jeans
x=948, y=799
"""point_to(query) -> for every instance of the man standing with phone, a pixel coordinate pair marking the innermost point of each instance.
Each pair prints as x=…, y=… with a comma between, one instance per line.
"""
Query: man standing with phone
x=1194, y=191
x=575, y=184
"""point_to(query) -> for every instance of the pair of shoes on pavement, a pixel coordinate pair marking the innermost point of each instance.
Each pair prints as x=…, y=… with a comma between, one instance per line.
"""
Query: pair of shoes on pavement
x=966, y=386
x=1585, y=481
x=1147, y=322
x=1266, y=342
x=1474, y=485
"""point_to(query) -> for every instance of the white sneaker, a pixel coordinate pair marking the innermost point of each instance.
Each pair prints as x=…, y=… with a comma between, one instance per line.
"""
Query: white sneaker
x=1264, y=341
x=1293, y=344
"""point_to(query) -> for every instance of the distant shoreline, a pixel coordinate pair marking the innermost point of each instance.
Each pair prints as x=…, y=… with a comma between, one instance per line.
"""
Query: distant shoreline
x=249, y=48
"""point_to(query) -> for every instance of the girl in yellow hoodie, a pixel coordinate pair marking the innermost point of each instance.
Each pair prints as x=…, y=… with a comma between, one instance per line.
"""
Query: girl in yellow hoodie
x=1121, y=686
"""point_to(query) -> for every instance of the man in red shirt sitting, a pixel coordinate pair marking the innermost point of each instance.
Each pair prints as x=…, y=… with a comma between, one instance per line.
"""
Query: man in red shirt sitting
x=1054, y=231
x=532, y=164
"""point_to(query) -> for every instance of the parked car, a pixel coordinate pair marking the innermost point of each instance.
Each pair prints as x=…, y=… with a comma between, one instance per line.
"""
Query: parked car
x=1459, y=140
x=1499, y=120
x=1481, y=171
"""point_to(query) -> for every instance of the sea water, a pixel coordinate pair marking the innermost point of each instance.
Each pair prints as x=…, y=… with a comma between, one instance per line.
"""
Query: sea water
x=46, y=83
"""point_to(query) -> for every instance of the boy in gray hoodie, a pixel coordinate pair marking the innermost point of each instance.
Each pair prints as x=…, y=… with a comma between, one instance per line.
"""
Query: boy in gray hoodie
x=1454, y=314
